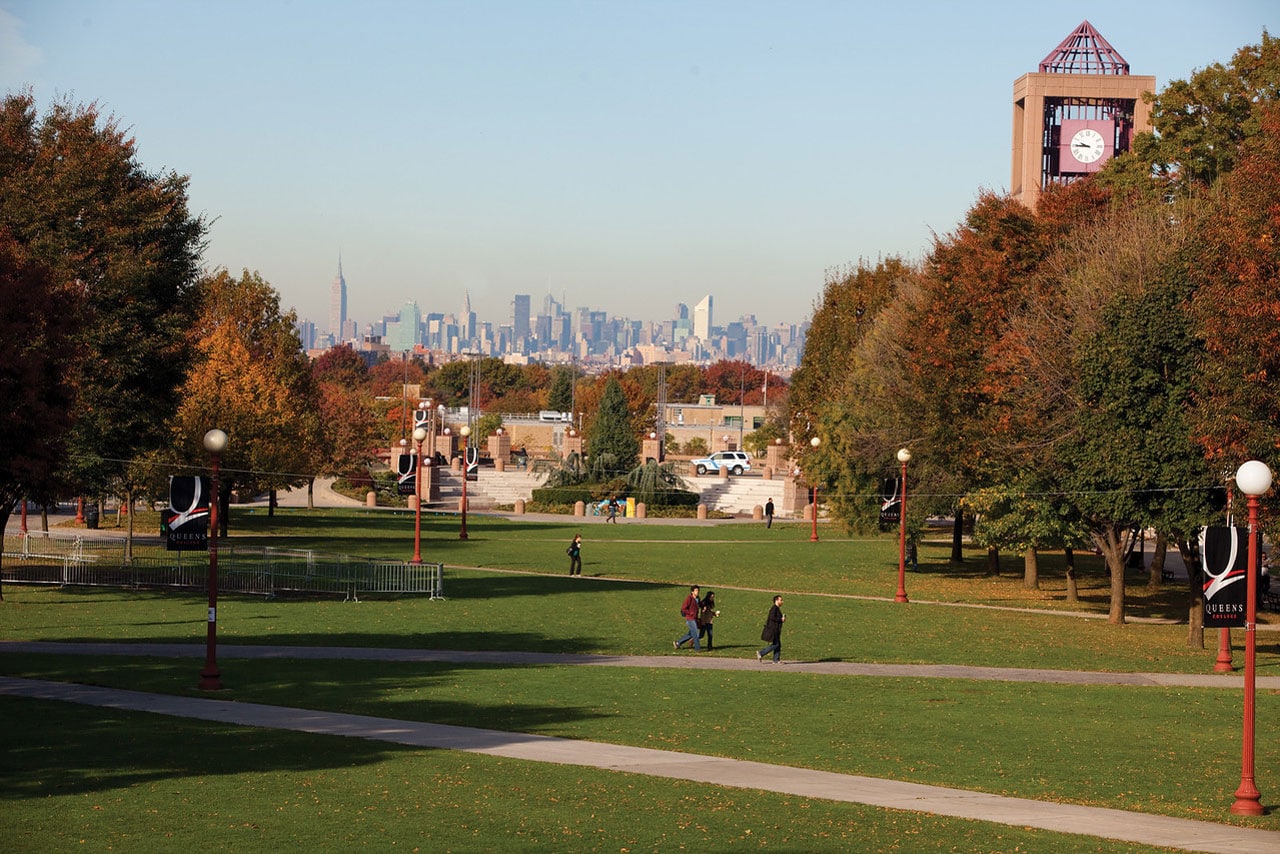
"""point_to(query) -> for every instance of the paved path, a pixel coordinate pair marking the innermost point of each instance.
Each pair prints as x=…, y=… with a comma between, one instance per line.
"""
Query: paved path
x=1065, y=818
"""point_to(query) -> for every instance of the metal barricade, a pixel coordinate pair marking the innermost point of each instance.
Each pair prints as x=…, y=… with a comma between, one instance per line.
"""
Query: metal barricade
x=264, y=571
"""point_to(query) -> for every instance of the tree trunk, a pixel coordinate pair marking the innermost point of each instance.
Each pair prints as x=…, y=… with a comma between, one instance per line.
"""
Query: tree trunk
x=6, y=508
x=957, y=537
x=271, y=502
x=1031, y=569
x=993, y=560
x=1073, y=592
x=311, y=493
x=1111, y=541
x=224, y=511
x=44, y=518
x=1156, y=578
x=1195, y=596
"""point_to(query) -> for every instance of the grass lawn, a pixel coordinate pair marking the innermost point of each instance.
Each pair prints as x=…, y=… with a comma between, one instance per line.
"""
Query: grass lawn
x=1169, y=751
x=178, y=785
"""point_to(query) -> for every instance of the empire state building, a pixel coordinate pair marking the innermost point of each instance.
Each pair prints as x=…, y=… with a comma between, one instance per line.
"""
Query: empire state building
x=338, y=305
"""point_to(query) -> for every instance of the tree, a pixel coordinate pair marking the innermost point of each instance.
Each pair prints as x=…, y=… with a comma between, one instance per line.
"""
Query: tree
x=253, y=382
x=1236, y=308
x=612, y=434
x=73, y=193
x=37, y=324
x=347, y=422
x=1200, y=124
x=560, y=397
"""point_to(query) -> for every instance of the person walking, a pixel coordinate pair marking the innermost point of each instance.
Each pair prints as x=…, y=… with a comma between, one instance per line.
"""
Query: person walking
x=768, y=513
x=613, y=509
x=772, y=633
x=689, y=609
x=575, y=555
x=707, y=616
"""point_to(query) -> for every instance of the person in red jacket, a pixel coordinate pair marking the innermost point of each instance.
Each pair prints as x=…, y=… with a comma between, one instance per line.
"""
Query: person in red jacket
x=689, y=610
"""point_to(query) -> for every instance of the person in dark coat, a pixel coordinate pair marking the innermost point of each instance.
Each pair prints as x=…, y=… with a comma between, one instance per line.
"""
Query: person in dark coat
x=689, y=609
x=768, y=513
x=772, y=634
x=707, y=617
x=575, y=555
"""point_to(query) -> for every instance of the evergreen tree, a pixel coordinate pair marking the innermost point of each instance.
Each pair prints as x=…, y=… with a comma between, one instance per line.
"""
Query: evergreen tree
x=611, y=431
x=560, y=397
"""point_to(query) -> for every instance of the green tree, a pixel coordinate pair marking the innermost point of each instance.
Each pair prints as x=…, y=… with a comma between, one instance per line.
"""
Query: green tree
x=73, y=193
x=37, y=325
x=612, y=436
x=560, y=397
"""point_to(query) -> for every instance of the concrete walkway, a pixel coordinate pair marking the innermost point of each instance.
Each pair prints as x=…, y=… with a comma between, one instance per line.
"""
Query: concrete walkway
x=1119, y=825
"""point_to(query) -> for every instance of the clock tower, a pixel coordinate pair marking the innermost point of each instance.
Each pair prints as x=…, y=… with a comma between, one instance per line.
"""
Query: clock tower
x=1081, y=109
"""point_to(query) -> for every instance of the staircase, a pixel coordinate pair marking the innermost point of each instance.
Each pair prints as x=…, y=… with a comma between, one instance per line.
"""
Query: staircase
x=737, y=495
x=734, y=495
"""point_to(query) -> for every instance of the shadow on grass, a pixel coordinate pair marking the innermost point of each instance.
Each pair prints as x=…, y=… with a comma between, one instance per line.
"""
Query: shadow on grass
x=89, y=754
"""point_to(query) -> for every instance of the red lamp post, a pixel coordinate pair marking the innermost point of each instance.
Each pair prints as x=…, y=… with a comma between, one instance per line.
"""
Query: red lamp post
x=904, y=457
x=419, y=435
x=813, y=487
x=215, y=442
x=1253, y=478
x=465, y=432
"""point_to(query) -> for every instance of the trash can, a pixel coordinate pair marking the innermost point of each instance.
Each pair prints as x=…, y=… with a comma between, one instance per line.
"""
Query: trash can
x=91, y=517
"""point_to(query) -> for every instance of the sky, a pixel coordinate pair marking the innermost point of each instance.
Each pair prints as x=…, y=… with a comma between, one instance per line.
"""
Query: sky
x=622, y=156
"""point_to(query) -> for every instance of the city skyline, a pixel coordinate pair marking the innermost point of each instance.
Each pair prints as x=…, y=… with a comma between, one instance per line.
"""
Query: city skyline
x=633, y=155
x=589, y=334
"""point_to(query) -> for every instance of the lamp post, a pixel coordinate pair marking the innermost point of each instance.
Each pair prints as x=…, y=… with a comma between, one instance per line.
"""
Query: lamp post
x=419, y=435
x=813, y=491
x=1253, y=478
x=465, y=431
x=215, y=442
x=904, y=457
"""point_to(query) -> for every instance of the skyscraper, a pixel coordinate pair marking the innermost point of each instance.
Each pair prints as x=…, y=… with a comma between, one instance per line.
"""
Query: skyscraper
x=702, y=318
x=338, y=304
x=520, y=317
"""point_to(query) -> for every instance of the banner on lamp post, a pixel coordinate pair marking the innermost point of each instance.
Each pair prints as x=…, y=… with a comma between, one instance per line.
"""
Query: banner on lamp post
x=185, y=522
x=890, y=500
x=1224, y=560
x=407, y=472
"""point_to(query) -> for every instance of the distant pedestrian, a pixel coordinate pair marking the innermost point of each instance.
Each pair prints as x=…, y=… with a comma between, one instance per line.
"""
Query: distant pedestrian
x=689, y=609
x=772, y=633
x=613, y=509
x=768, y=513
x=575, y=555
x=707, y=616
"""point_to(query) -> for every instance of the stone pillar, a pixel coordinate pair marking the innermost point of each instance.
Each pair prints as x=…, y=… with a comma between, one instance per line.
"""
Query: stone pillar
x=371, y=499
x=500, y=448
x=757, y=513
x=775, y=457
x=412, y=502
x=579, y=508
x=651, y=449
x=640, y=510
x=724, y=472
x=519, y=506
x=702, y=511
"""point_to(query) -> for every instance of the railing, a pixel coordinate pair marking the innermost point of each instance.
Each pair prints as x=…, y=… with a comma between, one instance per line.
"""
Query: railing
x=99, y=562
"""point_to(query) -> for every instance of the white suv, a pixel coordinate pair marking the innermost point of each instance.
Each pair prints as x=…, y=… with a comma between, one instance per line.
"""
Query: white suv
x=735, y=461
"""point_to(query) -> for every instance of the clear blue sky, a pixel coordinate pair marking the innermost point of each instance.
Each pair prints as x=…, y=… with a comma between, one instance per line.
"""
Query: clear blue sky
x=626, y=155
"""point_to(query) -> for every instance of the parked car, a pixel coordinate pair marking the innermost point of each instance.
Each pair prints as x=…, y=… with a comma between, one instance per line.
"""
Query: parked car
x=735, y=461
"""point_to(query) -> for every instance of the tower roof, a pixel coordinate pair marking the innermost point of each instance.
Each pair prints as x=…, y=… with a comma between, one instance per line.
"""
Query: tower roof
x=1085, y=51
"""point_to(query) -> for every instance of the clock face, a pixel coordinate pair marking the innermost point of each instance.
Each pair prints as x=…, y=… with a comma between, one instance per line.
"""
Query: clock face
x=1087, y=145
